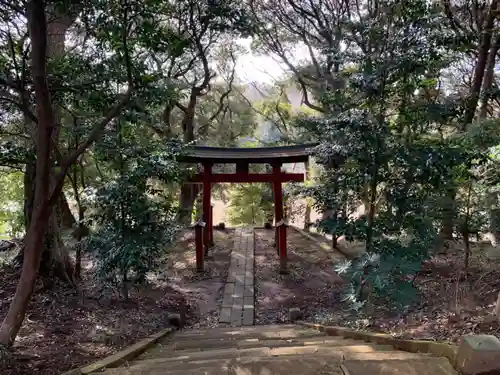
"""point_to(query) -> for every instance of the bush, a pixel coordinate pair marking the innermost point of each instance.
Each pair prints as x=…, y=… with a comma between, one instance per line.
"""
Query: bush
x=133, y=221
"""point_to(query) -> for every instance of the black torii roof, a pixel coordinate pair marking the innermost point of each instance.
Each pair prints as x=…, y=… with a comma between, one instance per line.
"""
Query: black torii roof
x=221, y=155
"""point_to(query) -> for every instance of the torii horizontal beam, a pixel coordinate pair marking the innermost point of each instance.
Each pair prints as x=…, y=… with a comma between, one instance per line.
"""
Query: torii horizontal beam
x=240, y=177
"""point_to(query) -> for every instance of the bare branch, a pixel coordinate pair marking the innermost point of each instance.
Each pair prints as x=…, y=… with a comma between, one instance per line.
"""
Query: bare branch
x=227, y=92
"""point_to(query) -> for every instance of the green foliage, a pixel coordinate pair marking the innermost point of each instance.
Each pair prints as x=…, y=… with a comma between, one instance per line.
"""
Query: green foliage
x=11, y=204
x=133, y=221
x=377, y=149
x=248, y=204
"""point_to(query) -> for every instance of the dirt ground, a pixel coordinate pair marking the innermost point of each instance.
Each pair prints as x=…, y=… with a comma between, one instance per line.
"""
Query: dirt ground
x=452, y=301
x=65, y=329
x=311, y=283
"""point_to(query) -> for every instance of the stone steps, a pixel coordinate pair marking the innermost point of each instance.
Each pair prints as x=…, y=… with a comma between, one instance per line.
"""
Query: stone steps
x=416, y=366
x=209, y=344
x=339, y=350
x=267, y=350
x=246, y=333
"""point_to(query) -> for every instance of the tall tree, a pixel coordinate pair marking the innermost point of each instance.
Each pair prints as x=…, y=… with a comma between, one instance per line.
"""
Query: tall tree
x=475, y=25
x=115, y=51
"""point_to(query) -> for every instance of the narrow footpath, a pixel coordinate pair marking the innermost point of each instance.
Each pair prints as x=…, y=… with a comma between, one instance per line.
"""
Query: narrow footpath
x=238, y=304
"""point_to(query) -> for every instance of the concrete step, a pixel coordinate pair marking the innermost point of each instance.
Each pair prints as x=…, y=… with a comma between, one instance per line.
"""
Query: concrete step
x=270, y=347
x=382, y=355
x=300, y=365
x=280, y=350
x=167, y=371
x=248, y=332
x=297, y=365
x=230, y=353
x=335, y=352
x=415, y=366
x=161, y=350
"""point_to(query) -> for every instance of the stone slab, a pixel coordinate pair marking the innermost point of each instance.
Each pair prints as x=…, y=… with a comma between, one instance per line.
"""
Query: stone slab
x=225, y=315
x=236, y=313
x=434, y=366
x=478, y=354
x=238, y=302
x=284, y=366
x=249, y=291
x=229, y=288
x=248, y=317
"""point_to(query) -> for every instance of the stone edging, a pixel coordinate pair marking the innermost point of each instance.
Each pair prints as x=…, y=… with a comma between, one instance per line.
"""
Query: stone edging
x=122, y=356
x=320, y=243
x=439, y=349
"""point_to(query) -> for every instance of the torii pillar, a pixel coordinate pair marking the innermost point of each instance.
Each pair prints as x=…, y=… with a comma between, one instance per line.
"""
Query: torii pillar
x=207, y=205
x=278, y=202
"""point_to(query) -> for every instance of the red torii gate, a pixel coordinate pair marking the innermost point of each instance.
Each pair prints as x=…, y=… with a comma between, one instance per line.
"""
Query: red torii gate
x=242, y=157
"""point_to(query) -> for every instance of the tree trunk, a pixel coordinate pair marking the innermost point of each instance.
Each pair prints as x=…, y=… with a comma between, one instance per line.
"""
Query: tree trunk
x=491, y=197
x=307, y=215
x=496, y=311
x=479, y=70
x=449, y=214
x=29, y=191
x=55, y=260
x=493, y=217
x=81, y=230
x=189, y=192
x=66, y=219
x=46, y=122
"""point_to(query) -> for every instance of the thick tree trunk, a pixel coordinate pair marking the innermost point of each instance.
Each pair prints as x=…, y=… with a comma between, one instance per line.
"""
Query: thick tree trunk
x=55, y=260
x=188, y=195
x=66, y=218
x=189, y=192
x=46, y=122
x=491, y=197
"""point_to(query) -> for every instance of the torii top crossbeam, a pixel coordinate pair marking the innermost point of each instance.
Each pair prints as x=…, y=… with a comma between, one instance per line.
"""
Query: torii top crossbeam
x=242, y=157
x=271, y=155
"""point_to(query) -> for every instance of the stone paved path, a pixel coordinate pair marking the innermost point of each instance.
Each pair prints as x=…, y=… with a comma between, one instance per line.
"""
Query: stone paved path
x=238, y=307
